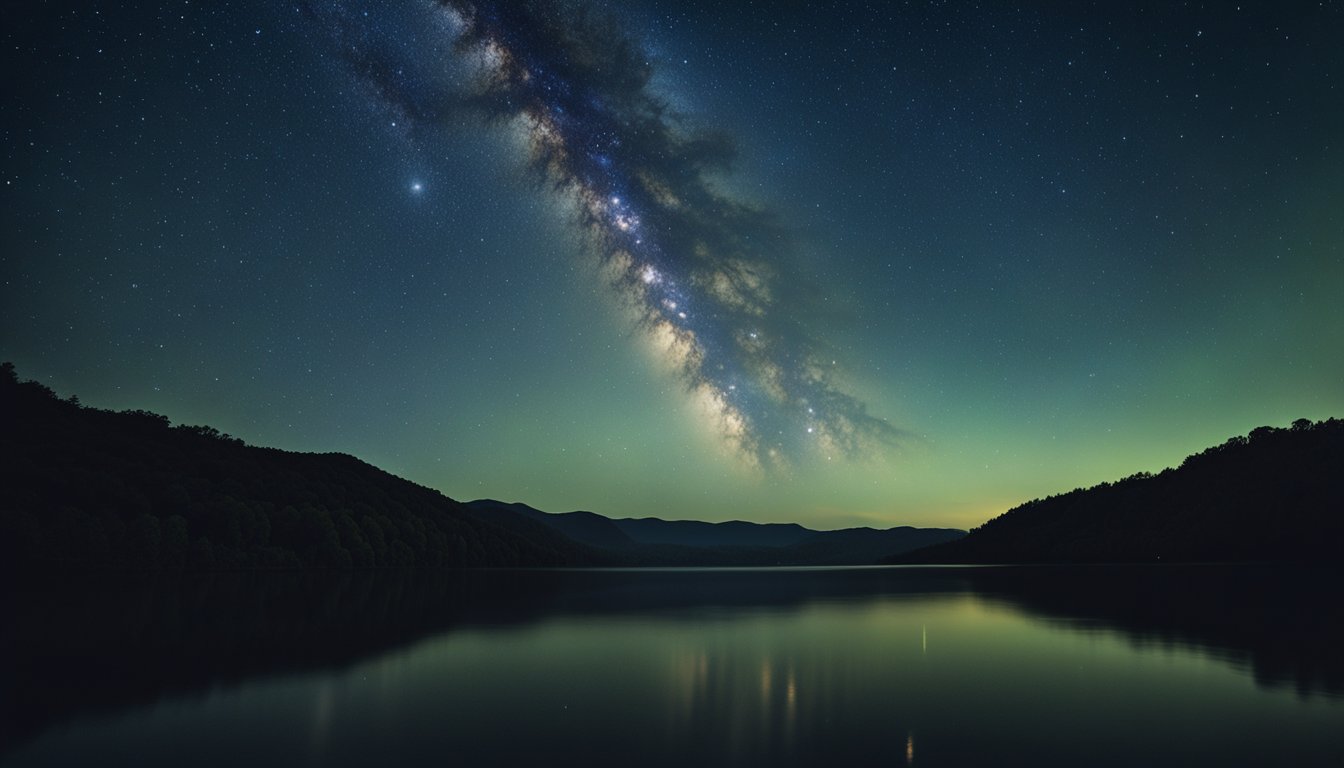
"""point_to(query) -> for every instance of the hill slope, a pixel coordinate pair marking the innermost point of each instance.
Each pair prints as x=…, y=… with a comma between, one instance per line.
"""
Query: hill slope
x=1276, y=494
x=90, y=488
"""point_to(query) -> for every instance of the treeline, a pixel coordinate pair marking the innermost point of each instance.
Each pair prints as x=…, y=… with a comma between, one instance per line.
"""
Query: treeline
x=1275, y=494
x=91, y=488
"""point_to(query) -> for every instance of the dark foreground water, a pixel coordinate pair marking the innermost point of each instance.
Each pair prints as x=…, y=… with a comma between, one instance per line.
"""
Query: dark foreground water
x=1135, y=666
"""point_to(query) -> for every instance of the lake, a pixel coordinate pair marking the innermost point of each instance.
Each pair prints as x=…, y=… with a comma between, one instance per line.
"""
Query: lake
x=1031, y=666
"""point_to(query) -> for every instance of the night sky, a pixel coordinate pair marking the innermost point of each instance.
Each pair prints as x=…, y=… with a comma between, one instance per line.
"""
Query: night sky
x=833, y=264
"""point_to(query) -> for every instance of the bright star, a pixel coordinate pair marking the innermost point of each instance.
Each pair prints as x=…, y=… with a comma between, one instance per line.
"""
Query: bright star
x=417, y=187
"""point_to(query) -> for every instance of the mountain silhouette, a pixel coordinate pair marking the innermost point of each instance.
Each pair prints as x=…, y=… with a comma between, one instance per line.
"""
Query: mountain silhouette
x=1276, y=494
x=584, y=527
x=734, y=533
x=653, y=541
x=89, y=488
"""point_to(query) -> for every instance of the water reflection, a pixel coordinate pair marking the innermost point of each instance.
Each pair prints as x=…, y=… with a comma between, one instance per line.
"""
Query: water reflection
x=1283, y=626
x=663, y=667
x=750, y=702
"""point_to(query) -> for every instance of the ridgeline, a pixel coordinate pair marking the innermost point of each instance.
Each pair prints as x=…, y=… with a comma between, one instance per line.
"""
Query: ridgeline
x=651, y=541
x=94, y=489
x=87, y=488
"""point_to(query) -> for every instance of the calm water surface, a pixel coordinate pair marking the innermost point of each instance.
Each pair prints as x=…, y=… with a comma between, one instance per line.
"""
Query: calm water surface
x=937, y=667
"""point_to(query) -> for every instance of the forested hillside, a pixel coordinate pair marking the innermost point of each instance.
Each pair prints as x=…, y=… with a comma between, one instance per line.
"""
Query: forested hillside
x=91, y=488
x=1275, y=494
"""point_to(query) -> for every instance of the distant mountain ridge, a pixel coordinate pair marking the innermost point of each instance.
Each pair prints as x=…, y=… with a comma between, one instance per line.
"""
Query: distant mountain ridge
x=653, y=541
x=1276, y=494
x=584, y=527
x=694, y=533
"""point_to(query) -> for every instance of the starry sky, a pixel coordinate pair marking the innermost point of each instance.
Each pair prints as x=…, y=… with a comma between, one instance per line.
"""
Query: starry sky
x=829, y=263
